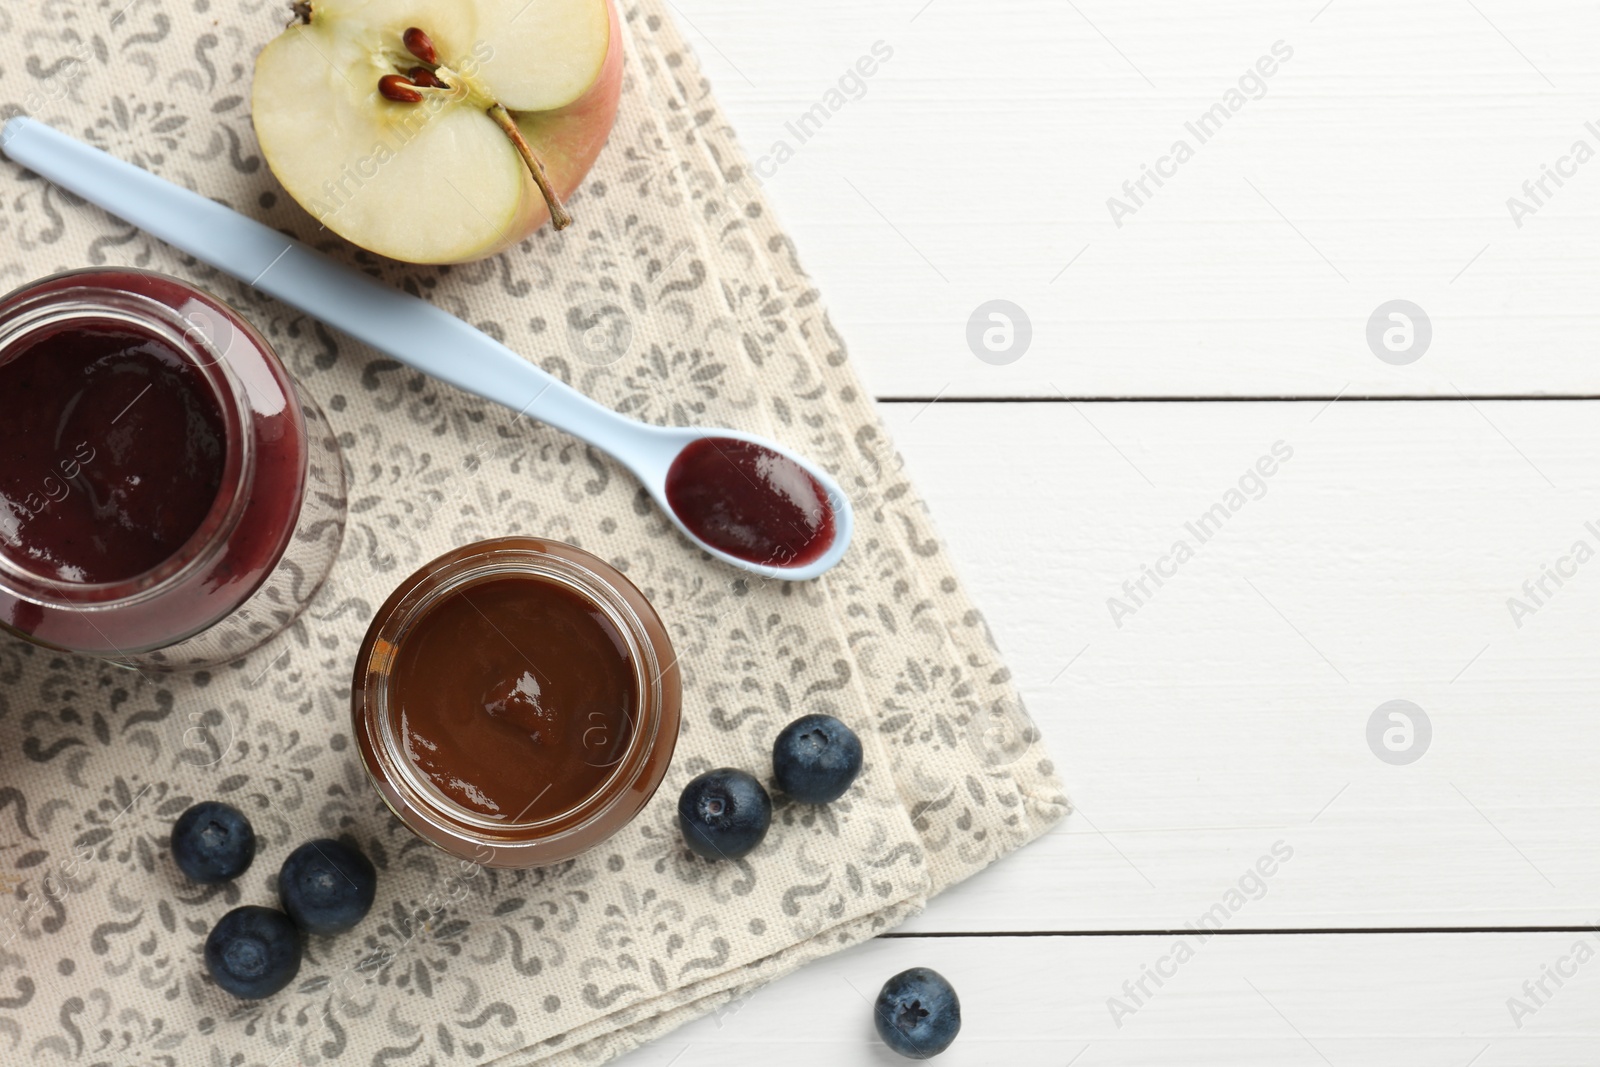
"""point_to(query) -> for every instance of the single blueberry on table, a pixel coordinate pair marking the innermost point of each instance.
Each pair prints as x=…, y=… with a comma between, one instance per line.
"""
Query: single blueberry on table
x=724, y=814
x=815, y=759
x=917, y=1013
x=326, y=886
x=213, y=842
x=253, y=952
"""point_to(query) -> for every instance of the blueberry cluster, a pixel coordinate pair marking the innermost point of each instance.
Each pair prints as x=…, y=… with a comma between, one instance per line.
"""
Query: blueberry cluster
x=325, y=887
x=725, y=813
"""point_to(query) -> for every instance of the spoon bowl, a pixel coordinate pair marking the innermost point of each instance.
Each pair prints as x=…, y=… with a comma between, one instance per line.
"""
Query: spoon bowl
x=663, y=444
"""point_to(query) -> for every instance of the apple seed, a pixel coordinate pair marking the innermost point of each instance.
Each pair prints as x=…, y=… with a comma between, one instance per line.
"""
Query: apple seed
x=395, y=87
x=420, y=45
x=426, y=78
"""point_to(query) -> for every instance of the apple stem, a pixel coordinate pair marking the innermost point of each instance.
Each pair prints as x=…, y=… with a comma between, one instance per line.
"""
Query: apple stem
x=559, y=218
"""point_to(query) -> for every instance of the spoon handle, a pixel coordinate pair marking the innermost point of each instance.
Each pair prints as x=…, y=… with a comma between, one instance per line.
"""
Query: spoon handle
x=411, y=330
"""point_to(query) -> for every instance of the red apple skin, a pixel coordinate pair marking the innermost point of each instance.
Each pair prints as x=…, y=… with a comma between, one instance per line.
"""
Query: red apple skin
x=569, y=139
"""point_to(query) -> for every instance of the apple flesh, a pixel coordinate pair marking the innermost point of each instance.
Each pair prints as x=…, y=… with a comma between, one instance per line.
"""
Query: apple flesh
x=438, y=131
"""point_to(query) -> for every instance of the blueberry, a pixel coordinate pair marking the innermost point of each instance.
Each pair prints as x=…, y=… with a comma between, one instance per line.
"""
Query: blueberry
x=918, y=1013
x=326, y=886
x=815, y=759
x=253, y=952
x=724, y=814
x=213, y=842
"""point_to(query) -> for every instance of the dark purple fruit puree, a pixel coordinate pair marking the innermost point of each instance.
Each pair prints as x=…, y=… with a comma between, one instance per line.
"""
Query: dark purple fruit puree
x=142, y=473
x=114, y=449
x=751, y=502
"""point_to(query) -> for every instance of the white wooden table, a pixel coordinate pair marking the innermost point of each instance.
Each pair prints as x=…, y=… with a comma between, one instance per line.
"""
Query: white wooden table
x=1438, y=911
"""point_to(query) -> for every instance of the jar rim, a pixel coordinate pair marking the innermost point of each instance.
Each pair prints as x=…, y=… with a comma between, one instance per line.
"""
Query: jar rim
x=605, y=808
x=99, y=303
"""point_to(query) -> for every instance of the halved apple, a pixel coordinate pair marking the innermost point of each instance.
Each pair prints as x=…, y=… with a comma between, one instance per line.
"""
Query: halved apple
x=438, y=131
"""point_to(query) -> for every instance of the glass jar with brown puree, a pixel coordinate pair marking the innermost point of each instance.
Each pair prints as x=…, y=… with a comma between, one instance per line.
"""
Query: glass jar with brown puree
x=516, y=701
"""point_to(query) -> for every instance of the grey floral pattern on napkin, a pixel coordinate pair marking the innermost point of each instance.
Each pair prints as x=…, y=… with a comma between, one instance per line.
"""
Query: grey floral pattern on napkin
x=675, y=298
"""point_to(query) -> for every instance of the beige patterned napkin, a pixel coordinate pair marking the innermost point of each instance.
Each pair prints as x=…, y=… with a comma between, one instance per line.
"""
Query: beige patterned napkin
x=676, y=257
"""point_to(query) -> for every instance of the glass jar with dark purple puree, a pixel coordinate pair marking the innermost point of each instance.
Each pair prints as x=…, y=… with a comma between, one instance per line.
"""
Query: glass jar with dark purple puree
x=516, y=702
x=168, y=497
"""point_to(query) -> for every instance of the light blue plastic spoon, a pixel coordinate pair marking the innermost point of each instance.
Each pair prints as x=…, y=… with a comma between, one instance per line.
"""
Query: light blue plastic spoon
x=413, y=331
